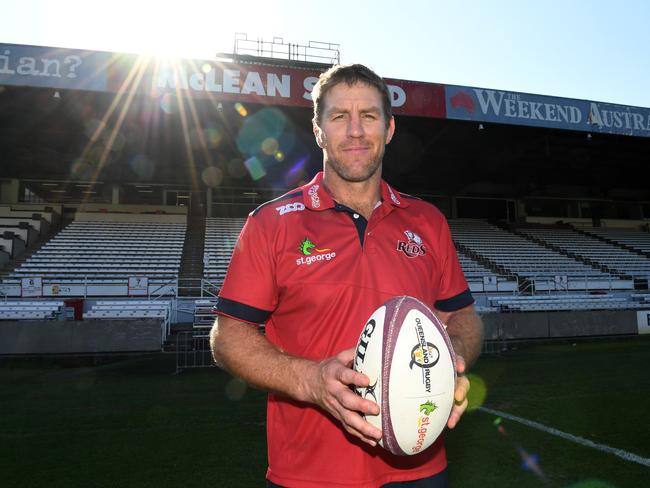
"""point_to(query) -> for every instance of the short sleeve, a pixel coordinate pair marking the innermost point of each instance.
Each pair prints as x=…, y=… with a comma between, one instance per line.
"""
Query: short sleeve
x=249, y=291
x=454, y=292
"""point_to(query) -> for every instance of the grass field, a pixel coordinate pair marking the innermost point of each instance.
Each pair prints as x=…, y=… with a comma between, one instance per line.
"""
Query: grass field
x=132, y=422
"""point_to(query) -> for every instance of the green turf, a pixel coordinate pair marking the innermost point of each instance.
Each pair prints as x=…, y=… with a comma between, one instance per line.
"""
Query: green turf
x=134, y=423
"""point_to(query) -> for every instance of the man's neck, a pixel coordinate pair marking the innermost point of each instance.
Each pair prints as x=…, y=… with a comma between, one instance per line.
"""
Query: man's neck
x=359, y=196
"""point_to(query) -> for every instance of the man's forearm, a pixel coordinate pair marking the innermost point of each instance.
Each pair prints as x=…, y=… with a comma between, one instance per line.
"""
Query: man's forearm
x=465, y=330
x=239, y=348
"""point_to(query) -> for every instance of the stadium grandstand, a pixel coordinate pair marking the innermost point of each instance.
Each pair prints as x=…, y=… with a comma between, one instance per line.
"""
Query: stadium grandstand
x=125, y=181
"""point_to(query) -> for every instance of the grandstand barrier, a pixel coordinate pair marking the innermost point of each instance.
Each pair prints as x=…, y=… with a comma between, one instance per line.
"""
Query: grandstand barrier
x=555, y=325
x=558, y=282
x=80, y=337
x=643, y=321
x=90, y=287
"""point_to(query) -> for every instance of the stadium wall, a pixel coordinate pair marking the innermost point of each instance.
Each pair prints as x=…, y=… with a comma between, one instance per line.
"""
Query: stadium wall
x=554, y=325
x=130, y=217
x=80, y=337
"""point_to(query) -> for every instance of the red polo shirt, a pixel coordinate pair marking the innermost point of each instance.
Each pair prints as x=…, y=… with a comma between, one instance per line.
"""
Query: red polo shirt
x=314, y=271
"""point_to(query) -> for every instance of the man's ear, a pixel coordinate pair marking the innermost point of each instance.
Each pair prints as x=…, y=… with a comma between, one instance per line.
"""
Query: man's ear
x=318, y=134
x=391, y=130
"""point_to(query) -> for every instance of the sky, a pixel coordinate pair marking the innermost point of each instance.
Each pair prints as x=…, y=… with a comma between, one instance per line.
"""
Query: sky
x=586, y=49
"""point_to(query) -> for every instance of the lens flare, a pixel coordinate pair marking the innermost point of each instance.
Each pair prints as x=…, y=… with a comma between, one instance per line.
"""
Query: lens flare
x=81, y=169
x=213, y=137
x=94, y=126
x=142, y=166
x=255, y=168
x=261, y=134
x=269, y=145
x=212, y=176
x=235, y=389
x=529, y=461
x=241, y=110
x=477, y=392
x=168, y=103
x=118, y=141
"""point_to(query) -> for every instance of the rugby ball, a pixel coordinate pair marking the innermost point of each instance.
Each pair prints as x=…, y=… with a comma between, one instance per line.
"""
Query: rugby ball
x=406, y=353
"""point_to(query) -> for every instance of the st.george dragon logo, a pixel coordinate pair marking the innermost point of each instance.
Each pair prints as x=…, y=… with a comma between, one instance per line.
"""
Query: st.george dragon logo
x=424, y=420
x=311, y=253
x=414, y=247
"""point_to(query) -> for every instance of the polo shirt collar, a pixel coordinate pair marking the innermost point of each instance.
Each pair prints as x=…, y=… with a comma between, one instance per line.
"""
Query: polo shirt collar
x=316, y=197
x=388, y=194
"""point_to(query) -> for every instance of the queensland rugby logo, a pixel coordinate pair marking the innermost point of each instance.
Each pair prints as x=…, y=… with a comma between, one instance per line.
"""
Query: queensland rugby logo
x=310, y=253
x=424, y=354
x=414, y=247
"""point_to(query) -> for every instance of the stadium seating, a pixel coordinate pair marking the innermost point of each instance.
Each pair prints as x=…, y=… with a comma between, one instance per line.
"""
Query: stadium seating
x=545, y=268
x=132, y=309
x=634, y=239
x=30, y=310
x=614, y=257
x=220, y=237
x=105, y=253
x=568, y=302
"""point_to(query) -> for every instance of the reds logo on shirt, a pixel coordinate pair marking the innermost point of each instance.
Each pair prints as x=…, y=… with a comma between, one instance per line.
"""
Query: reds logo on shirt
x=414, y=247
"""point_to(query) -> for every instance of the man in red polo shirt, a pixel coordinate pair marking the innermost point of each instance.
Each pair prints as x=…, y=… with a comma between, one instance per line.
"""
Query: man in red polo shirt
x=313, y=265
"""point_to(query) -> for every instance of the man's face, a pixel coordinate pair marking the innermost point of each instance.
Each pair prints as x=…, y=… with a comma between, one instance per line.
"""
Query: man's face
x=353, y=132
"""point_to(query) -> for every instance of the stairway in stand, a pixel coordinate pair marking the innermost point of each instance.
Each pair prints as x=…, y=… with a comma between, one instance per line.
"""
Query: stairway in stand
x=191, y=270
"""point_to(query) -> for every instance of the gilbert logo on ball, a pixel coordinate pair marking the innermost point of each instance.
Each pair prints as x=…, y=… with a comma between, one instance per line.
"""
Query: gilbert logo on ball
x=407, y=355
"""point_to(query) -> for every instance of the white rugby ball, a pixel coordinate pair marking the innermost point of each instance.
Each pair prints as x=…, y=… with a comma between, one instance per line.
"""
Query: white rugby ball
x=408, y=357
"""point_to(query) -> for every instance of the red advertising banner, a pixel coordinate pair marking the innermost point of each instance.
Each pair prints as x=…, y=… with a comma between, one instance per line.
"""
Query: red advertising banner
x=256, y=83
x=47, y=67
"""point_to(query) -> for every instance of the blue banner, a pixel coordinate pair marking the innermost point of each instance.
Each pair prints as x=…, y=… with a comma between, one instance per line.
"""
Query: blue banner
x=53, y=68
x=504, y=107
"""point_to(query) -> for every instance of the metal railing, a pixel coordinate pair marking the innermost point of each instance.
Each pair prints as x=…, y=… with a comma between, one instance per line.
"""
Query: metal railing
x=313, y=52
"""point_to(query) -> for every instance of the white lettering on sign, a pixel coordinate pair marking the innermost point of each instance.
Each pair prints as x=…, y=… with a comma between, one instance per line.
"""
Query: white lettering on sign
x=308, y=84
x=502, y=104
x=617, y=119
x=397, y=93
x=253, y=82
x=45, y=67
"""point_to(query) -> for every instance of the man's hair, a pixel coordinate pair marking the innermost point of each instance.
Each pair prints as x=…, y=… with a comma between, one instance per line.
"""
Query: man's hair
x=349, y=74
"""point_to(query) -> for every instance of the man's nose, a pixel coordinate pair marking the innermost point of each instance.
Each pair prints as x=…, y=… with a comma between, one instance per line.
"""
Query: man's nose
x=355, y=127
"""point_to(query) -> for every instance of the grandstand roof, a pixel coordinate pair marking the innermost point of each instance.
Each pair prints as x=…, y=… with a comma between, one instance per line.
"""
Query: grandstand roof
x=451, y=140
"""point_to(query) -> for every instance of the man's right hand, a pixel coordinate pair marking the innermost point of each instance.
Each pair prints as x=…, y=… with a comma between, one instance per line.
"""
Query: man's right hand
x=329, y=387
